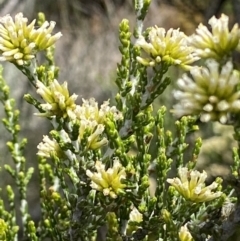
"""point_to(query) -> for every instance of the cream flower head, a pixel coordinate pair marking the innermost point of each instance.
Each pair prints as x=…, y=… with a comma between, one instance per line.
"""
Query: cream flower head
x=184, y=234
x=20, y=42
x=91, y=118
x=218, y=43
x=89, y=110
x=170, y=47
x=95, y=140
x=191, y=185
x=57, y=98
x=134, y=222
x=135, y=216
x=109, y=181
x=211, y=92
x=49, y=147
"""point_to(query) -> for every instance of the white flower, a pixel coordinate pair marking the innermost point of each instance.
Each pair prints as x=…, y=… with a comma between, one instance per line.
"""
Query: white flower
x=135, y=216
x=191, y=185
x=210, y=92
x=57, y=98
x=170, y=47
x=89, y=110
x=95, y=140
x=218, y=43
x=184, y=234
x=91, y=120
x=108, y=181
x=48, y=147
x=20, y=42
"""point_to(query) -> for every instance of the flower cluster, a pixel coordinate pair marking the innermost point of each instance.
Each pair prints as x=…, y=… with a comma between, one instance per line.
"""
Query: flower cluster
x=135, y=216
x=91, y=119
x=94, y=132
x=218, y=43
x=88, y=116
x=211, y=92
x=58, y=100
x=20, y=42
x=49, y=147
x=184, y=234
x=134, y=222
x=191, y=185
x=108, y=181
x=170, y=47
x=89, y=110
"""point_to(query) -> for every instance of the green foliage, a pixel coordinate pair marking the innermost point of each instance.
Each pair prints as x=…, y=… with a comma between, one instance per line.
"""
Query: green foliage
x=109, y=172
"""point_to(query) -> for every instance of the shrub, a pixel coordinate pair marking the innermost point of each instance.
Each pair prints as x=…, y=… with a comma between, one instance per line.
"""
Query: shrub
x=98, y=178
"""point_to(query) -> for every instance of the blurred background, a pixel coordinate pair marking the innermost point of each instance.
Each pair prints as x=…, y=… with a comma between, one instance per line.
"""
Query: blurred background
x=87, y=55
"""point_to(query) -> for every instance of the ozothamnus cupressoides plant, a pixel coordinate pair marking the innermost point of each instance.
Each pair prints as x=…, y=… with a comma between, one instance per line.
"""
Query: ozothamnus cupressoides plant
x=114, y=172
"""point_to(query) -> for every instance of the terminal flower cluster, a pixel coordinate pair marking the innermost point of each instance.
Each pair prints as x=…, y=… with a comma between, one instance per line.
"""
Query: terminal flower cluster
x=19, y=41
x=211, y=92
x=49, y=147
x=135, y=216
x=135, y=220
x=89, y=116
x=91, y=119
x=58, y=100
x=170, y=47
x=218, y=43
x=89, y=110
x=191, y=185
x=109, y=181
x=184, y=234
